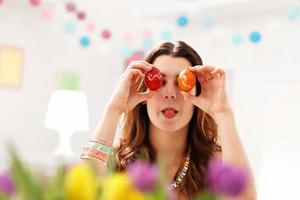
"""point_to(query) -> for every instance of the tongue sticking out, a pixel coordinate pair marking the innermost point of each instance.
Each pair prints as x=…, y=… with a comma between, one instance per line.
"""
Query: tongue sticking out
x=169, y=113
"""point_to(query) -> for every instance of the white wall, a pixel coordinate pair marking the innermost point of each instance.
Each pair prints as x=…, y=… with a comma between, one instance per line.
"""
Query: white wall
x=263, y=78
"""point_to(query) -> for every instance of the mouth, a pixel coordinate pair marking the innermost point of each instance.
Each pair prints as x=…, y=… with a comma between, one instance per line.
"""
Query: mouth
x=169, y=113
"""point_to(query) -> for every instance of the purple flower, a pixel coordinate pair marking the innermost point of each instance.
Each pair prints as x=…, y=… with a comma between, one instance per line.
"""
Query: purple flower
x=144, y=176
x=6, y=184
x=225, y=179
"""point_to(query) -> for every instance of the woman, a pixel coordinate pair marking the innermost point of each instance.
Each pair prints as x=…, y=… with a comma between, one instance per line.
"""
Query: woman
x=184, y=129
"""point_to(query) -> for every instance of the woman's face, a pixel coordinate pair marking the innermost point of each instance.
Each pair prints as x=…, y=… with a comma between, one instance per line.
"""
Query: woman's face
x=167, y=110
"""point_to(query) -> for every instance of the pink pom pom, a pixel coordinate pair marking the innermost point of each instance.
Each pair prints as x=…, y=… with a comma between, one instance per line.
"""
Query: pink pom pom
x=81, y=15
x=70, y=7
x=35, y=2
x=106, y=34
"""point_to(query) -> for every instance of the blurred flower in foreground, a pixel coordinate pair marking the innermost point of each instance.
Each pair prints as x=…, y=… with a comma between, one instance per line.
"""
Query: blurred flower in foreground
x=144, y=176
x=118, y=186
x=80, y=183
x=225, y=179
x=6, y=184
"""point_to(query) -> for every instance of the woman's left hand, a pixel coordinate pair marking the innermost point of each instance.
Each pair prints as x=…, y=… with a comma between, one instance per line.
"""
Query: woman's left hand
x=213, y=98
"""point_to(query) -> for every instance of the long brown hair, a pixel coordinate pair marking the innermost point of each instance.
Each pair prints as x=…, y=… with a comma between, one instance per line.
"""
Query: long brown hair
x=202, y=133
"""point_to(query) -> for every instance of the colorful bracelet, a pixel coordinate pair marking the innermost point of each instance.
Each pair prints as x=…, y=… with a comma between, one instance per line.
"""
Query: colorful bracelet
x=87, y=157
x=97, y=150
x=101, y=147
x=102, y=142
x=95, y=153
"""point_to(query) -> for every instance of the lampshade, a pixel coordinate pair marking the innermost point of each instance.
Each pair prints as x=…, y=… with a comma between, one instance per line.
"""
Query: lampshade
x=67, y=111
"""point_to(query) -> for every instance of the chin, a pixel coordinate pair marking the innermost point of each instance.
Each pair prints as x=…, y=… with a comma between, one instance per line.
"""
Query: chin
x=168, y=126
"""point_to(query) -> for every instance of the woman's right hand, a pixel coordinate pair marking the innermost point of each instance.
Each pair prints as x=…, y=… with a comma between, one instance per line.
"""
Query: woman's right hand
x=126, y=96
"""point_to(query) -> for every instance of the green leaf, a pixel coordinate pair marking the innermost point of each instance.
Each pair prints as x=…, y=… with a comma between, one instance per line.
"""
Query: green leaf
x=55, y=188
x=3, y=196
x=112, y=163
x=206, y=196
x=26, y=183
x=159, y=192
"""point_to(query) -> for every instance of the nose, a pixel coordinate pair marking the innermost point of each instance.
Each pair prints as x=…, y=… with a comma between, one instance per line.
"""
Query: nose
x=170, y=92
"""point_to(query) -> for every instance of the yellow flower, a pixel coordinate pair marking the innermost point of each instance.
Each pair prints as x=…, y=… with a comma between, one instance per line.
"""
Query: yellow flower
x=135, y=195
x=80, y=183
x=118, y=187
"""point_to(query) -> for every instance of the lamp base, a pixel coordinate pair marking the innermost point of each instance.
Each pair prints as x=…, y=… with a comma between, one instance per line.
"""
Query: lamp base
x=64, y=148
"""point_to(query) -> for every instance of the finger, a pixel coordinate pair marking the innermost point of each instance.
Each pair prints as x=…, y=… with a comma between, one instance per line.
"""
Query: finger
x=203, y=71
x=215, y=73
x=144, y=66
x=142, y=62
x=209, y=76
x=206, y=75
x=195, y=68
x=201, y=78
x=133, y=74
x=198, y=68
x=208, y=72
x=218, y=72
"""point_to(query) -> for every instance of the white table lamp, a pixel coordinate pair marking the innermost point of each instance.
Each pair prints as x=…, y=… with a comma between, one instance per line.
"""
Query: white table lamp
x=67, y=113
